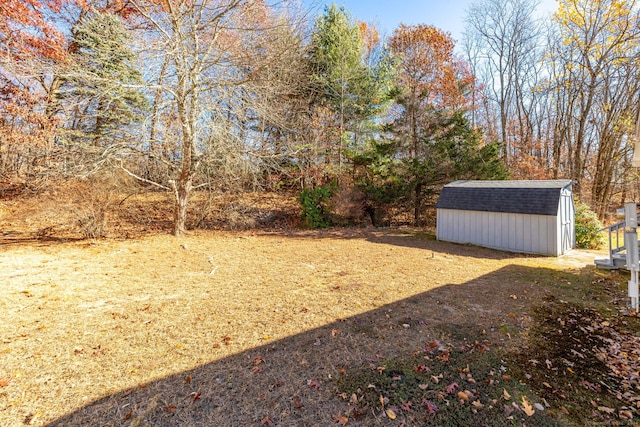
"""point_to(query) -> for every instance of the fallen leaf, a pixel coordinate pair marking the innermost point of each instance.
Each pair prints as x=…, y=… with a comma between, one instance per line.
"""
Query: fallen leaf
x=508, y=410
x=423, y=386
x=296, y=401
x=538, y=406
x=313, y=384
x=432, y=408
x=463, y=396
x=606, y=410
x=477, y=404
x=266, y=421
x=451, y=388
x=406, y=406
x=188, y=379
x=526, y=407
x=4, y=382
x=390, y=413
x=445, y=356
x=171, y=408
x=626, y=414
x=340, y=419
x=506, y=394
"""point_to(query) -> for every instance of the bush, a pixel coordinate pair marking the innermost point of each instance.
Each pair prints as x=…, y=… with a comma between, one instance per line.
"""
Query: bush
x=588, y=226
x=315, y=206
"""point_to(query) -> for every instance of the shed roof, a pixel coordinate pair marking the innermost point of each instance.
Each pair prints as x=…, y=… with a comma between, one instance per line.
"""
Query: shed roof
x=536, y=197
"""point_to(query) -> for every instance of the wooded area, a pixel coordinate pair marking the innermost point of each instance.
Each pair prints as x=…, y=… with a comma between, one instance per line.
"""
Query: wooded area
x=224, y=96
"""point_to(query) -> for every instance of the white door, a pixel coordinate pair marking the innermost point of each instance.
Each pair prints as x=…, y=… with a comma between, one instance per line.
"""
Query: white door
x=567, y=220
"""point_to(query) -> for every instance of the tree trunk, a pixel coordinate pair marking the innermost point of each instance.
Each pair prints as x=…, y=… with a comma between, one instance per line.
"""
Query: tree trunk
x=417, y=204
x=182, y=191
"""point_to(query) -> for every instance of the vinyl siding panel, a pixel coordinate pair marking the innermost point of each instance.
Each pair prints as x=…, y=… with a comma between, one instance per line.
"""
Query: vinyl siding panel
x=534, y=234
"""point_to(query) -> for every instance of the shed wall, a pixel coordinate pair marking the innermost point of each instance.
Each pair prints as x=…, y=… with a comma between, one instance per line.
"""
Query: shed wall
x=527, y=233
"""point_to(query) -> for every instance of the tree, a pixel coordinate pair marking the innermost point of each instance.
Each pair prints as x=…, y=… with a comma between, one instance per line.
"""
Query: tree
x=101, y=88
x=27, y=31
x=214, y=51
x=596, y=54
x=33, y=43
x=455, y=151
x=351, y=76
x=433, y=85
x=502, y=39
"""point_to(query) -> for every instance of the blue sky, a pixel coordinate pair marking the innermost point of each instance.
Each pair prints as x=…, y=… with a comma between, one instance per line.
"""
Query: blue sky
x=447, y=15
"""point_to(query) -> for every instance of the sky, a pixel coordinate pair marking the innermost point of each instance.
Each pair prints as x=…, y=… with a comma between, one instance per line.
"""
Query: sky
x=448, y=15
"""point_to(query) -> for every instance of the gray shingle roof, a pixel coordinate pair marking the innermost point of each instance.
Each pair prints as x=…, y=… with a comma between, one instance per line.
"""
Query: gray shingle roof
x=526, y=196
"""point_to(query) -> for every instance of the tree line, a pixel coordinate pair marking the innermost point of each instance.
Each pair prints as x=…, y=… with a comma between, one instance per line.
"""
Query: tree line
x=227, y=95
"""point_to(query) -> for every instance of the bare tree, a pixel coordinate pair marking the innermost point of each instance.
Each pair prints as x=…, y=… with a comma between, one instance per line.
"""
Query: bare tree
x=501, y=43
x=204, y=60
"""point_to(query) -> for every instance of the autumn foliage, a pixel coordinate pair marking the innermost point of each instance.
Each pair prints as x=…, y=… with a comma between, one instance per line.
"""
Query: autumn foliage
x=429, y=67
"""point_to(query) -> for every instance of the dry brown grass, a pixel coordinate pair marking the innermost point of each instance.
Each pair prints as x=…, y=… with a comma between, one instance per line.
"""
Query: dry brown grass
x=225, y=328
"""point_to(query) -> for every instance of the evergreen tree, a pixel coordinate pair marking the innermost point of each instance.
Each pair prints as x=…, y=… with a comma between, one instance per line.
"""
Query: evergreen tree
x=354, y=90
x=452, y=151
x=102, y=82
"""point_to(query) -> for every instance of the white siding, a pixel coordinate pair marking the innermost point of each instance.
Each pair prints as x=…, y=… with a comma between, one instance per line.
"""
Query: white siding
x=535, y=234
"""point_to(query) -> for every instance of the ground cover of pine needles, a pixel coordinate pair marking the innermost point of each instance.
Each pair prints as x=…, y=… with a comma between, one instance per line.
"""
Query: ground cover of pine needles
x=298, y=328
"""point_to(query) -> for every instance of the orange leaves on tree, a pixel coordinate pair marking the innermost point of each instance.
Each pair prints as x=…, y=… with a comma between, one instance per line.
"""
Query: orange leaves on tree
x=429, y=68
x=370, y=36
x=27, y=29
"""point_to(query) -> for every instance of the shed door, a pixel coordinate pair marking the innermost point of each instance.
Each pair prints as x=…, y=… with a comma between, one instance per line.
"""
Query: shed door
x=567, y=219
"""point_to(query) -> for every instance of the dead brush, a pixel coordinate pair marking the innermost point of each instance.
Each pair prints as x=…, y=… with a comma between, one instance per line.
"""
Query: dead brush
x=92, y=201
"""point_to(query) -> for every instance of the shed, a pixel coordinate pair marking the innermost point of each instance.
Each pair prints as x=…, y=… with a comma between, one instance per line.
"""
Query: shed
x=529, y=216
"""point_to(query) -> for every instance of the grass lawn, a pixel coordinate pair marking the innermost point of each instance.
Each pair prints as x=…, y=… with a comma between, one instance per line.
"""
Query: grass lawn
x=352, y=327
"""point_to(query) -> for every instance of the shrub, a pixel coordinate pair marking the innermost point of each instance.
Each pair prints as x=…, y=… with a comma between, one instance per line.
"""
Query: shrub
x=315, y=206
x=588, y=226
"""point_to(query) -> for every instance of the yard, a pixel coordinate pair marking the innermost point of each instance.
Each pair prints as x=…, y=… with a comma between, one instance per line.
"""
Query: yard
x=353, y=326
x=283, y=327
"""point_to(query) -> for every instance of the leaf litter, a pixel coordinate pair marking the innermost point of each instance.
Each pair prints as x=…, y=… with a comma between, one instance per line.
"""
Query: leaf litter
x=163, y=339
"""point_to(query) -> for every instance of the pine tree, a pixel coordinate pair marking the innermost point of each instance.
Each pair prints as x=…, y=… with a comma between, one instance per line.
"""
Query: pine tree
x=102, y=82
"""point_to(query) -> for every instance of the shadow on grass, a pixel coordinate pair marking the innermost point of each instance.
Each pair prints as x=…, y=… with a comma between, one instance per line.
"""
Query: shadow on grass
x=296, y=381
x=409, y=238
